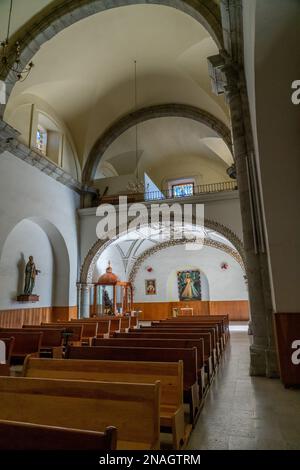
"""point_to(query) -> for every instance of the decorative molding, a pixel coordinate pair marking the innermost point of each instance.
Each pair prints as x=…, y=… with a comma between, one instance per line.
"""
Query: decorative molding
x=169, y=243
x=146, y=114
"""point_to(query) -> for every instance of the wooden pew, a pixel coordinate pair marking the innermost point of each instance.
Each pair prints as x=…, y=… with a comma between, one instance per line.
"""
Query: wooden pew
x=73, y=330
x=114, y=325
x=52, y=340
x=25, y=343
x=223, y=319
x=9, y=344
x=90, y=405
x=214, y=328
x=188, y=356
x=170, y=376
x=208, y=350
x=186, y=325
x=102, y=328
x=89, y=331
x=125, y=324
x=134, y=322
x=25, y=436
x=216, y=347
x=162, y=343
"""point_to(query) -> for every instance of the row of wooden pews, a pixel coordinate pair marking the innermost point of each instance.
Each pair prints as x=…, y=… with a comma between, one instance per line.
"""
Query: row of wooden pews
x=162, y=371
x=50, y=339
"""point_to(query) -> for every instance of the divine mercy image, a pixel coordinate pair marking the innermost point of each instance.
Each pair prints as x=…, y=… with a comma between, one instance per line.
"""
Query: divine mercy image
x=189, y=285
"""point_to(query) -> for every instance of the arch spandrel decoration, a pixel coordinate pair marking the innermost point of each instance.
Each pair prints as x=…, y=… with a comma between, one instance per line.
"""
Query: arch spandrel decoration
x=88, y=266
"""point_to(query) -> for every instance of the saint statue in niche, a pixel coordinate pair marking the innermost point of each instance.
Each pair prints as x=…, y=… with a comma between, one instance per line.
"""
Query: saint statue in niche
x=30, y=273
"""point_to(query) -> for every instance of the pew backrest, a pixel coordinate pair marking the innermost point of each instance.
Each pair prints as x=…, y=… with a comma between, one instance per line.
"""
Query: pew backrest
x=15, y=435
x=74, y=329
x=88, y=405
x=206, y=337
x=52, y=337
x=25, y=342
x=187, y=356
x=155, y=343
x=169, y=374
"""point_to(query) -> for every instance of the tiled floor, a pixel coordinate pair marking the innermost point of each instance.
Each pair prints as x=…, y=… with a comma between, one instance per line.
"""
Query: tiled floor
x=243, y=412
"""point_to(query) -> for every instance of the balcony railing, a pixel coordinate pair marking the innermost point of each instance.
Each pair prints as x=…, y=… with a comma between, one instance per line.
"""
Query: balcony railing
x=168, y=193
x=197, y=190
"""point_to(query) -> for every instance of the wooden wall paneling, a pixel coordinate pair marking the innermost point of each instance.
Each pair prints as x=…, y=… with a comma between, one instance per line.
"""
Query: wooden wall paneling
x=15, y=318
x=287, y=327
x=64, y=313
x=238, y=310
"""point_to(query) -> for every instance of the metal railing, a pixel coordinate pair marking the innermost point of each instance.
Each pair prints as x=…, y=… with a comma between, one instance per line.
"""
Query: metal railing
x=197, y=190
x=169, y=194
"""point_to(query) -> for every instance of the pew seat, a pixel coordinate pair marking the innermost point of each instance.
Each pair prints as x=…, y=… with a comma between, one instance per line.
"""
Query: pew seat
x=86, y=405
x=150, y=354
x=170, y=376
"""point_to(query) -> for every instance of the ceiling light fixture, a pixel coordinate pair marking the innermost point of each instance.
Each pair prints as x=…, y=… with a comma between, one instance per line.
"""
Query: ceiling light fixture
x=136, y=186
x=10, y=56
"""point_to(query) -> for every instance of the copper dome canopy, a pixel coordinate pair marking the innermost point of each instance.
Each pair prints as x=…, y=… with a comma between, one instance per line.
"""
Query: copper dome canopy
x=108, y=277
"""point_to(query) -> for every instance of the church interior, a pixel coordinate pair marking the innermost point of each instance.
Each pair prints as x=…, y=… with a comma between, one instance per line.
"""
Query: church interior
x=149, y=238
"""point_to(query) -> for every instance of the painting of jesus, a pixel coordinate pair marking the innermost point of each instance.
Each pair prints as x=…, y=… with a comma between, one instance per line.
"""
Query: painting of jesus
x=189, y=285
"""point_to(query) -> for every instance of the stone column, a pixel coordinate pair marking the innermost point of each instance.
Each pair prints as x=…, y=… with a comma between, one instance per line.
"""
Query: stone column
x=262, y=351
x=78, y=285
x=83, y=297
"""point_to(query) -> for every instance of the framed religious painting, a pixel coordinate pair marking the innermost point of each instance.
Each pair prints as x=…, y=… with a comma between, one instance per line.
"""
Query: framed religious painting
x=189, y=285
x=150, y=287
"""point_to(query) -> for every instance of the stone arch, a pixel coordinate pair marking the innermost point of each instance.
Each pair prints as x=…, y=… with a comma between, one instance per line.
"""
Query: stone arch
x=55, y=18
x=60, y=257
x=146, y=114
x=88, y=266
x=161, y=246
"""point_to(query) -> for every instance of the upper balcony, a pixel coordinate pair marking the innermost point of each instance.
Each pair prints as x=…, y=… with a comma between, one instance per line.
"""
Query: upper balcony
x=198, y=192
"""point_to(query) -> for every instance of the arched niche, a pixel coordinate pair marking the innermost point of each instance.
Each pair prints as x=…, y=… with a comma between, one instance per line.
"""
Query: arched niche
x=38, y=237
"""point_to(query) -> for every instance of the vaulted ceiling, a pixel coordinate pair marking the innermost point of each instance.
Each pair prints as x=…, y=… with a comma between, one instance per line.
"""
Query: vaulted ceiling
x=85, y=73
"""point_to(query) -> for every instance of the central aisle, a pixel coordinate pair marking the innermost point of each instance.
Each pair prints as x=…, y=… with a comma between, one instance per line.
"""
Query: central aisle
x=243, y=412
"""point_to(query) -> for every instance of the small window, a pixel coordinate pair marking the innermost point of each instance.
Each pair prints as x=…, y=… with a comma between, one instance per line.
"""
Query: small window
x=183, y=189
x=41, y=140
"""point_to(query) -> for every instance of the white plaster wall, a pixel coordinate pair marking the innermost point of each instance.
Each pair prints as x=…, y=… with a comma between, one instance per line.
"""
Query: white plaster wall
x=26, y=193
x=223, y=208
x=217, y=284
x=26, y=239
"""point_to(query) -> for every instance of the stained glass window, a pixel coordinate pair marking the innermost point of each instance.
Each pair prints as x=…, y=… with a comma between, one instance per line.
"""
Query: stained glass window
x=41, y=140
x=183, y=190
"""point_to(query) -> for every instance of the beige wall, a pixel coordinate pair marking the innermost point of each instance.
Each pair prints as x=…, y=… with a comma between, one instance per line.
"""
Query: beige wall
x=24, y=116
x=277, y=140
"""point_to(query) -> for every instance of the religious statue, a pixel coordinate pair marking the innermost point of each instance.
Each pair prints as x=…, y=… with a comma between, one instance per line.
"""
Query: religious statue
x=30, y=273
x=108, y=306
